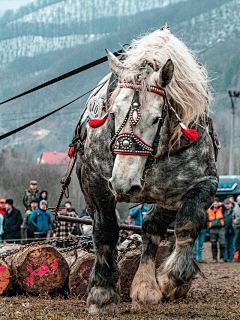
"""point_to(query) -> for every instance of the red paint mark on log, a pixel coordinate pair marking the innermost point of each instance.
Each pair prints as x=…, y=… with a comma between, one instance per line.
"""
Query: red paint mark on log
x=30, y=280
x=43, y=269
x=84, y=269
x=2, y=269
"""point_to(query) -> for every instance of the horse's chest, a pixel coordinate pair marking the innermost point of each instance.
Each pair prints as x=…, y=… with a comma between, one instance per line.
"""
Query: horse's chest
x=169, y=180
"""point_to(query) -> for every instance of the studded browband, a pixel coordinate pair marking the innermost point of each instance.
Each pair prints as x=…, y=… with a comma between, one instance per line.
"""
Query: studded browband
x=137, y=86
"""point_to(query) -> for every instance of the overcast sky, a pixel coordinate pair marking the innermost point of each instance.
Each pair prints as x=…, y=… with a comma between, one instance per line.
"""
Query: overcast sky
x=12, y=4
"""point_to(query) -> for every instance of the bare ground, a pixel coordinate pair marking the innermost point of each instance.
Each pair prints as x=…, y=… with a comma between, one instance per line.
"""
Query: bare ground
x=215, y=297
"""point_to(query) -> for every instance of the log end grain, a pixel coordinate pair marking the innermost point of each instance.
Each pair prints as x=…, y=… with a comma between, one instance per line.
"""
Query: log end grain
x=5, y=277
x=39, y=269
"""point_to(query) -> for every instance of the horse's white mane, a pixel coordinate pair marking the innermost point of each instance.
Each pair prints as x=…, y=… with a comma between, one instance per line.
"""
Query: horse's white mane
x=189, y=88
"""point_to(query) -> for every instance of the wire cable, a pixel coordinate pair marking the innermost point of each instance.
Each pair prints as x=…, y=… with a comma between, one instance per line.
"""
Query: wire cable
x=65, y=76
x=5, y=135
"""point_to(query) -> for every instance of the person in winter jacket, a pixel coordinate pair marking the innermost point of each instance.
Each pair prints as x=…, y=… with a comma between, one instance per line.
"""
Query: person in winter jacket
x=27, y=224
x=216, y=229
x=137, y=214
x=62, y=229
x=76, y=231
x=43, y=195
x=30, y=193
x=41, y=219
x=236, y=225
x=229, y=231
x=12, y=223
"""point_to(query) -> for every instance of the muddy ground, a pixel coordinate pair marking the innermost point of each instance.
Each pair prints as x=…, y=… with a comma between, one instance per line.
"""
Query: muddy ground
x=215, y=297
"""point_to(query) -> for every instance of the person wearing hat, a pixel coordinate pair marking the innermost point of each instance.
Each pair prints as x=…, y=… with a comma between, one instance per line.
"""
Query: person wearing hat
x=27, y=225
x=231, y=198
x=2, y=206
x=43, y=195
x=41, y=219
x=216, y=229
x=12, y=223
x=30, y=193
x=229, y=231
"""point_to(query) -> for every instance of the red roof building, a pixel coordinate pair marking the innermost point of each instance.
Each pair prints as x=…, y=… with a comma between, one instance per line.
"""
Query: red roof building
x=53, y=158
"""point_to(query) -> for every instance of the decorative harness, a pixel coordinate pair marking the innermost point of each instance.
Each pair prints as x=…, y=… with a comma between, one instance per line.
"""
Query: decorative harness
x=128, y=143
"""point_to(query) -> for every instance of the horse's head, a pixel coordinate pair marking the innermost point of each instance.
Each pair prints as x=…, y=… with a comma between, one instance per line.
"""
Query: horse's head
x=137, y=108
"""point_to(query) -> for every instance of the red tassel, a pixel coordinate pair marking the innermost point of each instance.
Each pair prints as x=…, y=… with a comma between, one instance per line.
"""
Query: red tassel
x=190, y=134
x=96, y=123
x=71, y=151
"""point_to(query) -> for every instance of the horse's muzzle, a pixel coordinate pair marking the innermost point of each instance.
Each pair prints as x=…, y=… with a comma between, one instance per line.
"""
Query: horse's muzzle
x=124, y=190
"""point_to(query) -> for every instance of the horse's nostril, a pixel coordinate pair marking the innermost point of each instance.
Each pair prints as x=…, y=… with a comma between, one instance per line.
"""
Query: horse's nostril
x=135, y=190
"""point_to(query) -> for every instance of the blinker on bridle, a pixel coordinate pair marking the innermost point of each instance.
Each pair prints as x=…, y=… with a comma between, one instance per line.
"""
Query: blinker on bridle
x=128, y=143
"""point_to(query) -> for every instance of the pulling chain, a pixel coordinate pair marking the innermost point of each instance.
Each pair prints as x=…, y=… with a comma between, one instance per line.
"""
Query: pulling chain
x=86, y=246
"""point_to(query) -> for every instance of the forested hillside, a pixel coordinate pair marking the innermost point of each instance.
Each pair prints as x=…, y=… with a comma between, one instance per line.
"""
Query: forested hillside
x=49, y=37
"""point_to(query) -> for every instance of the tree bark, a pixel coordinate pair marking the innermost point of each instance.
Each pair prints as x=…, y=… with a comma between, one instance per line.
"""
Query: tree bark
x=129, y=257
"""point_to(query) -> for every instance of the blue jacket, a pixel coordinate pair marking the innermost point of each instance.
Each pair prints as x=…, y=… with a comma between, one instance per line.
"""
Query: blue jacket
x=41, y=219
x=137, y=215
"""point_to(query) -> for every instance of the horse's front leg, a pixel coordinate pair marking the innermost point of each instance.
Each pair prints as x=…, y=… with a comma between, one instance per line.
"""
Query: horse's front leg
x=176, y=274
x=103, y=298
x=144, y=289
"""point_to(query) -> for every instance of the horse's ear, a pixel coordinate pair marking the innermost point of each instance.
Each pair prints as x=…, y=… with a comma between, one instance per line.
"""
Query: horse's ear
x=167, y=73
x=115, y=65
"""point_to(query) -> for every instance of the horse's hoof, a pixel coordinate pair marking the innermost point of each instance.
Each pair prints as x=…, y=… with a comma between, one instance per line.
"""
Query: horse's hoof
x=145, y=294
x=103, y=301
x=108, y=309
x=170, y=289
x=144, y=289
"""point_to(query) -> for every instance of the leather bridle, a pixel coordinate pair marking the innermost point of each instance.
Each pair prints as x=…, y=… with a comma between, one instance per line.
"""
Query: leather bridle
x=128, y=143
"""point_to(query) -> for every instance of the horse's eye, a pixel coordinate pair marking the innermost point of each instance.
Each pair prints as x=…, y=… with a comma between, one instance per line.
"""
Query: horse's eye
x=155, y=120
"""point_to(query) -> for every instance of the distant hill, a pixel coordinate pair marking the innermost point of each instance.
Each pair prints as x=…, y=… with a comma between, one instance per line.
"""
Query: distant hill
x=37, y=50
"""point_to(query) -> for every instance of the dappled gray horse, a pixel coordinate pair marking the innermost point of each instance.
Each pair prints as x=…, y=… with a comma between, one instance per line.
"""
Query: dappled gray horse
x=152, y=142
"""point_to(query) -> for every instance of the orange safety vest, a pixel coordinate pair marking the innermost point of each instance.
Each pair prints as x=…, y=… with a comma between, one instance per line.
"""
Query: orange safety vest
x=215, y=214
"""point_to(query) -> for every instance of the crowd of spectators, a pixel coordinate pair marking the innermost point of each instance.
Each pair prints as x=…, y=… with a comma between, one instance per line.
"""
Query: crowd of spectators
x=222, y=224
x=223, y=227
x=37, y=223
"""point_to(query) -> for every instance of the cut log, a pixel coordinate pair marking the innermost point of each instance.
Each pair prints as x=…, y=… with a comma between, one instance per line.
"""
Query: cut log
x=80, y=269
x=128, y=264
x=40, y=268
x=127, y=268
x=5, y=266
x=5, y=277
